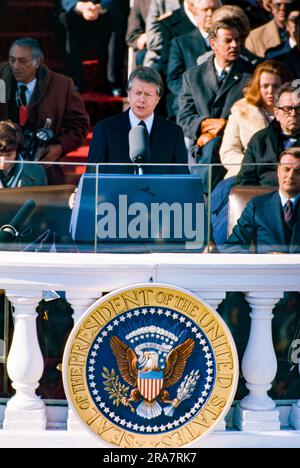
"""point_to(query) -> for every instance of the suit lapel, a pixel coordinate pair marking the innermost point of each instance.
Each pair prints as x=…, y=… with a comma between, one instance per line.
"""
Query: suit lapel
x=209, y=75
x=155, y=137
x=295, y=242
x=273, y=215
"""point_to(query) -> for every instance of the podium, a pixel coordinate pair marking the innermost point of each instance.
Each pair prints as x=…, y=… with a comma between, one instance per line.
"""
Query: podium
x=144, y=209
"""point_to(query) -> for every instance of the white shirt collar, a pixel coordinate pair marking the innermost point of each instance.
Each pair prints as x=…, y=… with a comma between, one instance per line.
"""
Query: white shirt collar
x=134, y=121
x=284, y=199
x=219, y=69
x=205, y=36
x=30, y=87
x=190, y=15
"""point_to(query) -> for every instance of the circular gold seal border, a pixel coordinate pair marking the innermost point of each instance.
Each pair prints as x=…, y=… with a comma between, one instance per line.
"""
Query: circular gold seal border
x=139, y=296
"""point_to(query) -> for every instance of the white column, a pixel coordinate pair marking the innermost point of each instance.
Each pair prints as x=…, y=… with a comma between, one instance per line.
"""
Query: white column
x=295, y=414
x=79, y=305
x=214, y=299
x=257, y=411
x=25, y=365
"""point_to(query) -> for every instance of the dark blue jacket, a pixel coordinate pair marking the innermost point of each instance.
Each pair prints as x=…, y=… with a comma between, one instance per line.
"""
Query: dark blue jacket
x=110, y=144
x=262, y=224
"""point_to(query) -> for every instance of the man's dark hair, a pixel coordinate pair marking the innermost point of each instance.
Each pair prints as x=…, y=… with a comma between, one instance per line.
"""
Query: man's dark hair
x=148, y=75
x=295, y=151
x=32, y=44
x=11, y=138
x=289, y=87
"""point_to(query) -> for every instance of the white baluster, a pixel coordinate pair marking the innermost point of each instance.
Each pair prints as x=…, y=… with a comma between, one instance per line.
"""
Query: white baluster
x=295, y=413
x=214, y=299
x=257, y=411
x=79, y=305
x=25, y=365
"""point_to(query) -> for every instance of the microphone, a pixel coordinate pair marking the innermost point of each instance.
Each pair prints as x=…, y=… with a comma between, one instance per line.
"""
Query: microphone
x=139, y=146
x=43, y=136
x=10, y=232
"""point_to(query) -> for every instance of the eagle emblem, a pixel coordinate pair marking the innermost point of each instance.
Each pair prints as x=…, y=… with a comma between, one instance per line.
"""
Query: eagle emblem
x=150, y=379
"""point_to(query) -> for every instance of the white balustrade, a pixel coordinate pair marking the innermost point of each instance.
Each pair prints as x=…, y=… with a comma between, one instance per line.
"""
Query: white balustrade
x=295, y=414
x=25, y=366
x=263, y=278
x=257, y=411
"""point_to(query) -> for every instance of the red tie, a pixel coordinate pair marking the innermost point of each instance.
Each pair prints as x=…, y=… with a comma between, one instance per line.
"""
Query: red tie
x=23, y=108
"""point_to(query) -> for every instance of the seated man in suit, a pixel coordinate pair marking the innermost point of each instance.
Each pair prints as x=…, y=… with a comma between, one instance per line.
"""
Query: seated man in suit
x=289, y=51
x=136, y=32
x=208, y=93
x=273, y=33
x=271, y=223
x=186, y=49
x=110, y=140
x=265, y=146
x=158, y=10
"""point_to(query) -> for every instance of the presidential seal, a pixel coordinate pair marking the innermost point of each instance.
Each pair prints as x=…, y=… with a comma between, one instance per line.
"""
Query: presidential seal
x=150, y=366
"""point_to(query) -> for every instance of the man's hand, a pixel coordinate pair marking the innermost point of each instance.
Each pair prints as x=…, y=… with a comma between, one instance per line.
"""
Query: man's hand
x=89, y=11
x=213, y=126
x=204, y=139
x=52, y=154
x=142, y=41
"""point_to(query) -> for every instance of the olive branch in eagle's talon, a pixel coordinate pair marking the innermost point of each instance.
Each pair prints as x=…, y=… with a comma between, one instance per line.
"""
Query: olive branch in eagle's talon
x=118, y=392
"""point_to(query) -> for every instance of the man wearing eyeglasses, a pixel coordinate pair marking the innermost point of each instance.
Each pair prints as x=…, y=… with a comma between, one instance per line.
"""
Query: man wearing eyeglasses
x=274, y=32
x=289, y=51
x=261, y=157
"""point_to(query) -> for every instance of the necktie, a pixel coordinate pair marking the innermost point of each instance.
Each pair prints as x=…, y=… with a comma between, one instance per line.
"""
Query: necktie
x=223, y=77
x=142, y=124
x=23, y=98
x=288, y=211
x=23, y=109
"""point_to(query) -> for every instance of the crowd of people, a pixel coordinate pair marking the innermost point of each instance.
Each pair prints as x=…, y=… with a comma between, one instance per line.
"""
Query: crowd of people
x=214, y=83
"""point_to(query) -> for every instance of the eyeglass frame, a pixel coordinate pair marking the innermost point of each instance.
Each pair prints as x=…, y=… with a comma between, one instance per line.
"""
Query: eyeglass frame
x=287, y=110
x=279, y=5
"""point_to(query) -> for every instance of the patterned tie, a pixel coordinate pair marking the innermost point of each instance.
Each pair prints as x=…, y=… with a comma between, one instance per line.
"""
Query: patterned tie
x=288, y=211
x=223, y=77
x=23, y=98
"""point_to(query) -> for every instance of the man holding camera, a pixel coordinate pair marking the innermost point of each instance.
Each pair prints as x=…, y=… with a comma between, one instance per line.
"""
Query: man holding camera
x=34, y=94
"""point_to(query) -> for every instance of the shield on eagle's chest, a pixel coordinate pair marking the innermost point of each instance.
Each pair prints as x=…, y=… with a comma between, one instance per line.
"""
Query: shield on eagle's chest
x=150, y=384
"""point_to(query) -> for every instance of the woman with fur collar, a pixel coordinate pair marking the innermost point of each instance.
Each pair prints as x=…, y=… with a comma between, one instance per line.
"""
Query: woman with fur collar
x=252, y=113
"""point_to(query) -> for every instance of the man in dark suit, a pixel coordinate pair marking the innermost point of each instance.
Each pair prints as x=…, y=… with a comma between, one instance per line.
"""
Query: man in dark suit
x=265, y=146
x=208, y=93
x=272, y=222
x=110, y=141
x=99, y=25
x=187, y=48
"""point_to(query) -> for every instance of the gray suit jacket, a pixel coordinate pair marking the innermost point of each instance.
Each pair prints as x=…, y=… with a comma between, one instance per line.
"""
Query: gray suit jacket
x=157, y=9
x=201, y=96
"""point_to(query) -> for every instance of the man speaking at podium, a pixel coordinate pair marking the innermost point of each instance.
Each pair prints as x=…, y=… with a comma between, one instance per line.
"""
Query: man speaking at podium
x=110, y=143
